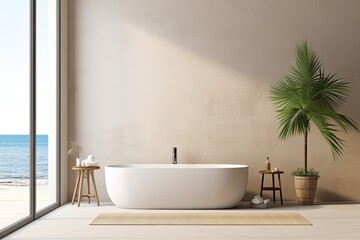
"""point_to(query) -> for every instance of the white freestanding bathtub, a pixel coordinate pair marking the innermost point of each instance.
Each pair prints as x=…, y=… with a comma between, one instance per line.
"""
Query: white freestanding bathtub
x=176, y=186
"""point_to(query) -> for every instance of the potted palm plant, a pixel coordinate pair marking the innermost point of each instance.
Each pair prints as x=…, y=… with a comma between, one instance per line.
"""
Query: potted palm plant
x=309, y=96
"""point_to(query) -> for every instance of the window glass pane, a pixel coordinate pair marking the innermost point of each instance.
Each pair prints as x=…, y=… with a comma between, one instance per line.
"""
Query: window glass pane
x=46, y=118
x=14, y=109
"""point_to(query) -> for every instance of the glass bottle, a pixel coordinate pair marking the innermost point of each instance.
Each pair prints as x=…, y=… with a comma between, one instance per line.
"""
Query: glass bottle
x=267, y=164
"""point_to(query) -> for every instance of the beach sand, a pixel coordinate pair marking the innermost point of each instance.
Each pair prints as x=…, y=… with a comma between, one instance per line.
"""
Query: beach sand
x=14, y=202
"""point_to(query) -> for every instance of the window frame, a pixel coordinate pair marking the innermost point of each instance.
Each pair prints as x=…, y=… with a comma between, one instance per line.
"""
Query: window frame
x=32, y=119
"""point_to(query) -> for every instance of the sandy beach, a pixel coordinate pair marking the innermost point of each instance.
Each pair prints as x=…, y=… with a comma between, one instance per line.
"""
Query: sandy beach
x=14, y=202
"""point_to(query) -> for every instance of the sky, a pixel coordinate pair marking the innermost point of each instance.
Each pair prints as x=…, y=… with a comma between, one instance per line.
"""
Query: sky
x=15, y=67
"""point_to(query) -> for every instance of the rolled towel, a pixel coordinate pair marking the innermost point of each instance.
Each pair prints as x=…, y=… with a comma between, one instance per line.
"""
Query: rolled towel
x=257, y=199
x=91, y=163
x=91, y=158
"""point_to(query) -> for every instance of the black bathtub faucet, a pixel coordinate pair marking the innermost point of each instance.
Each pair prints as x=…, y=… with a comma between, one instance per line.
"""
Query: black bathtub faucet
x=174, y=154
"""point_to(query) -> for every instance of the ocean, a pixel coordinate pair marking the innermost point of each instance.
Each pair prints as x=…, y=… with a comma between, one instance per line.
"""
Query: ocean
x=15, y=159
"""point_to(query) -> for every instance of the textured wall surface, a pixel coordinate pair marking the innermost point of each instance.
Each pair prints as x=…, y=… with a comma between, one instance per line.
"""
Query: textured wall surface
x=145, y=76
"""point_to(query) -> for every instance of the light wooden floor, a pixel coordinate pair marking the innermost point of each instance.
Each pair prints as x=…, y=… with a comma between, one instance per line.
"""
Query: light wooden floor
x=330, y=221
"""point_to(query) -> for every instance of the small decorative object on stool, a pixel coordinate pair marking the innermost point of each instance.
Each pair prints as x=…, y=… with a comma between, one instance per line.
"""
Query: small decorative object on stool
x=78, y=162
x=267, y=164
x=90, y=161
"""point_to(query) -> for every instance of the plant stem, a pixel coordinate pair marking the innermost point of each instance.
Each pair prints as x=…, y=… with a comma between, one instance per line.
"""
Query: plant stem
x=305, y=150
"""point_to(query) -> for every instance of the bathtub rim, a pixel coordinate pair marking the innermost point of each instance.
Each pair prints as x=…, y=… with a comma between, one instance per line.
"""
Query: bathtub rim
x=178, y=166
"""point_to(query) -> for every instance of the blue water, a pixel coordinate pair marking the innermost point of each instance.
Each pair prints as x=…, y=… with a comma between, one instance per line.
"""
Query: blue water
x=15, y=158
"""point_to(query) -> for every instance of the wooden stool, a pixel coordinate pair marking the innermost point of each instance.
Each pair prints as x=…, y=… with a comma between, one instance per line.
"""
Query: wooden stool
x=85, y=172
x=273, y=188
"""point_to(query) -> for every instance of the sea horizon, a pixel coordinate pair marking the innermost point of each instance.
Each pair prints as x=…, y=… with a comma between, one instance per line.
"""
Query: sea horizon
x=15, y=162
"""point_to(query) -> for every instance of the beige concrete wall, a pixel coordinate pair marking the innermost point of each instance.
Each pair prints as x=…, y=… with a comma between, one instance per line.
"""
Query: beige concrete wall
x=145, y=76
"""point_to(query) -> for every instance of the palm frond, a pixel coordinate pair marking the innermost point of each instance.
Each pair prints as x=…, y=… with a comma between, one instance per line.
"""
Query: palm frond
x=328, y=132
x=347, y=123
x=292, y=121
x=330, y=89
x=307, y=65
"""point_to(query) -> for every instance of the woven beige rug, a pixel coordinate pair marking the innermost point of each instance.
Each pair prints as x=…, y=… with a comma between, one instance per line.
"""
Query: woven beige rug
x=201, y=218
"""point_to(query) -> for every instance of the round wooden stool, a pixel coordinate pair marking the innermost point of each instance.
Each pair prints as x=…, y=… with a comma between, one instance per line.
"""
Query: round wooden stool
x=273, y=188
x=87, y=173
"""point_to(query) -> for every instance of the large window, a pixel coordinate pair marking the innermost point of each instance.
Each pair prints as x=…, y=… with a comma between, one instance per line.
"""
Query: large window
x=29, y=111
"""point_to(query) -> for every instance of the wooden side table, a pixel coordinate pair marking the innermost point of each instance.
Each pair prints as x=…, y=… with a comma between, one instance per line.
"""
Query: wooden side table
x=273, y=188
x=87, y=173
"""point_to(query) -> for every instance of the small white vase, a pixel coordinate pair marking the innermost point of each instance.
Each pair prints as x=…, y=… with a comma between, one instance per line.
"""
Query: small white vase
x=78, y=162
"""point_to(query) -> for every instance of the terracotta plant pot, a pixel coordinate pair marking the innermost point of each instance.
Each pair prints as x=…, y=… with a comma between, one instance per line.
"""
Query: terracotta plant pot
x=305, y=189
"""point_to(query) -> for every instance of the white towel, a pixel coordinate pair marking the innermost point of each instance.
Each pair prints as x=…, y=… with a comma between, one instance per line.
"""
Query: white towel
x=257, y=199
x=91, y=163
x=88, y=163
